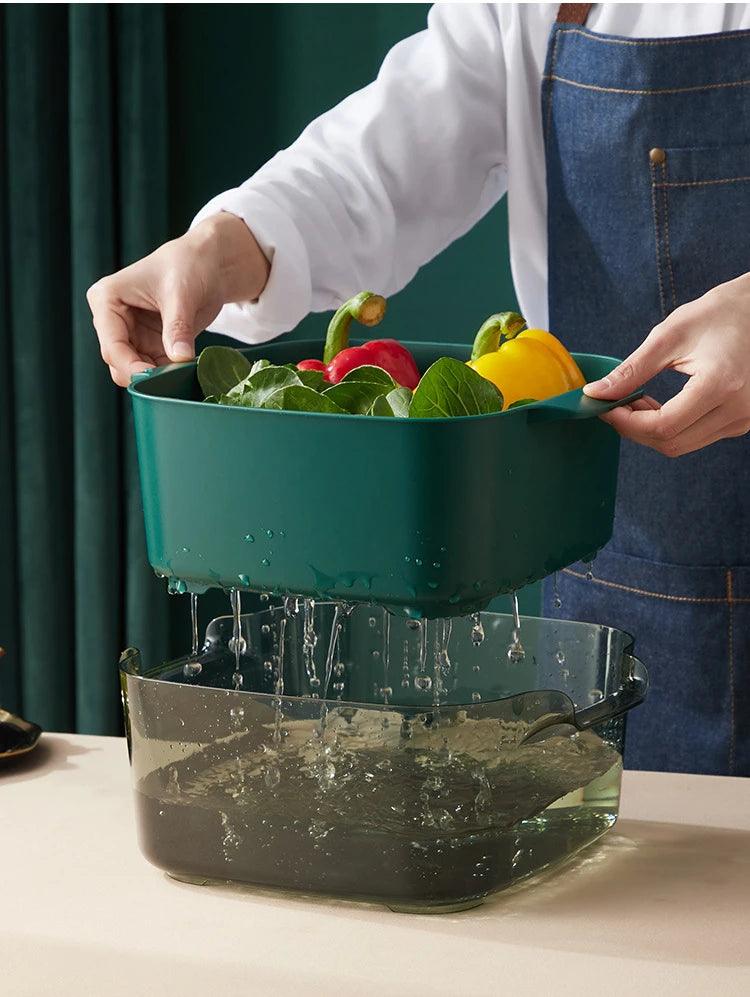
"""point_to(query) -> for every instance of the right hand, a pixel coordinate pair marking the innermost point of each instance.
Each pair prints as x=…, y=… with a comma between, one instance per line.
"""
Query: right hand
x=149, y=313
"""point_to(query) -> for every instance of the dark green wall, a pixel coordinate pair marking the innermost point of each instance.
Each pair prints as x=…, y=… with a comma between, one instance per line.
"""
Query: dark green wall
x=245, y=79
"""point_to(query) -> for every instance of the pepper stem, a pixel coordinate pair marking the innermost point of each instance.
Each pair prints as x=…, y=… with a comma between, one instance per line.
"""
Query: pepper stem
x=504, y=325
x=367, y=308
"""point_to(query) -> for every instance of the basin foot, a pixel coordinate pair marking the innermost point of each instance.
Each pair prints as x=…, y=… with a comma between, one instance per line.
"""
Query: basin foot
x=436, y=908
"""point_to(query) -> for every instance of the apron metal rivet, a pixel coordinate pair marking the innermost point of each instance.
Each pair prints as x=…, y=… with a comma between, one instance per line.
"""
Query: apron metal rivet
x=657, y=156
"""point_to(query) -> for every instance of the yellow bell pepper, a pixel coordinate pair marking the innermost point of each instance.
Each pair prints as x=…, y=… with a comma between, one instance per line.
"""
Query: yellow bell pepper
x=525, y=364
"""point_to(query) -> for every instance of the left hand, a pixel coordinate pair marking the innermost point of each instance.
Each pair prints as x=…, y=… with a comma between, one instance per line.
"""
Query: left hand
x=709, y=340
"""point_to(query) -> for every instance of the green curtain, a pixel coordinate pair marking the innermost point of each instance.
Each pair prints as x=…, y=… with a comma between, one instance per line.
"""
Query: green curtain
x=84, y=188
x=117, y=123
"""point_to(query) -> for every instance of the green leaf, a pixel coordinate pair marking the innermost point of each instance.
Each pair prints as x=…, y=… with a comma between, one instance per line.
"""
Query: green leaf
x=400, y=401
x=220, y=368
x=211, y=399
x=255, y=390
x=381, y=406
x=369, y=374
x=522, y=401
x=451, y=388
x=312, y=379
x=355, y=397
x=259, y=365
x=298, y=398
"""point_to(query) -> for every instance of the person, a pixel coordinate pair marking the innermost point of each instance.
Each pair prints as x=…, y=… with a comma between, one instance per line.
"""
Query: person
x=621, y=135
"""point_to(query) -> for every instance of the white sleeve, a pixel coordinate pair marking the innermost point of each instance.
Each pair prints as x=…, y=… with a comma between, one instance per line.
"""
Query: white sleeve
x=383, y=182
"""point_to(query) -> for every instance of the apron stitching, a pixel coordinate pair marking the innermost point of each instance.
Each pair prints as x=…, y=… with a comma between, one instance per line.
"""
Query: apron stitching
x=667, y=249
x=701, y=183
x=699, y=39
x=656, y=241
x=648, y=93
x=730, y=647
x=654, y=595
x=549, y=79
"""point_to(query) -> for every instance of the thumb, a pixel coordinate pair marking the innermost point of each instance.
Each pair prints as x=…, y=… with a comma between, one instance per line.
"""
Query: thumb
x=651, y=357
x=178, y=330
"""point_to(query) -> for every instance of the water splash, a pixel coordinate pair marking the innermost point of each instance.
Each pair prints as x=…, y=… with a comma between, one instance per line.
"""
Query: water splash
x=516, y=651
x=237, y=644
x=477, y=629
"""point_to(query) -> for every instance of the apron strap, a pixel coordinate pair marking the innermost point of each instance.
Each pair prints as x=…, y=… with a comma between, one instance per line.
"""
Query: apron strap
x=573, y=13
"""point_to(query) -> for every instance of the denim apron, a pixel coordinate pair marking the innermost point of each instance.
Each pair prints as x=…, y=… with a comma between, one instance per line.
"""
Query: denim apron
x=647, y=146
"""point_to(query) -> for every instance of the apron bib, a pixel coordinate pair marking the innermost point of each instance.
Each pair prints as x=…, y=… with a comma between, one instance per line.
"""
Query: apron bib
x=647, y=145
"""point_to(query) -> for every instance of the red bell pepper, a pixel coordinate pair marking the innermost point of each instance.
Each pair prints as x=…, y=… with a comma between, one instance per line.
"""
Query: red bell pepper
x=339, y=358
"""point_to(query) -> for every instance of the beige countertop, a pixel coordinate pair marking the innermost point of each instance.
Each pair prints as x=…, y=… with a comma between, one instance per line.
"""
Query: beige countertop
x=660, y=907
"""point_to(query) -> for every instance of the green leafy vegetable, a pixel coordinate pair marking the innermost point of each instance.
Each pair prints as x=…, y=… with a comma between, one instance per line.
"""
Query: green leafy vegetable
x=450, y=388
x=259, y=365
x=400, y=401
x=220, y=368
x=298, y=398
x=380, y=406
x=354, y=397
x=255, y=390
x=312, y=379
x=522, y=401
x=370, y=375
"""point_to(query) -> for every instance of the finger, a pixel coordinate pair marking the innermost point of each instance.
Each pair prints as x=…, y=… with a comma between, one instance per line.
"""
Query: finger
x=178, y=329
x=113, y=333
x=706, y=428
x=698, y=397
x=620, y=416
x=689, y=442
x=651, y=357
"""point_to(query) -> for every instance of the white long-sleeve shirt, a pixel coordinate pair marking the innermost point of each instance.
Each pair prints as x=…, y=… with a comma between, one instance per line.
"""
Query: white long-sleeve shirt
x=379, y=185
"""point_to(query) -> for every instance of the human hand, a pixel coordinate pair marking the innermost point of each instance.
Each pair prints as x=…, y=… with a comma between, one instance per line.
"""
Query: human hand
x=149, y=313
x=709, y=340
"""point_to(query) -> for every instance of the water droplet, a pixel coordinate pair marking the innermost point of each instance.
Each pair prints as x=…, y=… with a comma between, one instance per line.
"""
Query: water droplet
x=432, y=585
x=268, y=666
x=272, y=776
x=407, y=558
x=477, y=630
x=418, y=561
x=338, y=686
x=265, y=562
x=516, y=653
x=264, y=596
x=314, y=682
x=249, y=538
x=423, y=683
x=476, y=697
x=237, y=713
x=386, y=691
x=375, y=654
x=282, y=533
x=185, y=550
x=265, y=629
x=413, y=624
x=475, y=668
x=436, y=564
x=405, y=683
x=557, y=603
x=595, y=695
x=244, y=579
x=192, y=668
x=238, y=679
x=560, y=657
x=269, y=534
x=443, y=550
x=371, y=622
x=176, y=586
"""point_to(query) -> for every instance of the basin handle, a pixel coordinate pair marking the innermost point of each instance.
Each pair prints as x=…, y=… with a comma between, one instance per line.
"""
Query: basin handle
x=576, y=405
x=632, y=693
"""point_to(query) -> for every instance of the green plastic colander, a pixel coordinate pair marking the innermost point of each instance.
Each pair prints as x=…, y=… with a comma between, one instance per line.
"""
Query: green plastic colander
x=430, y=517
